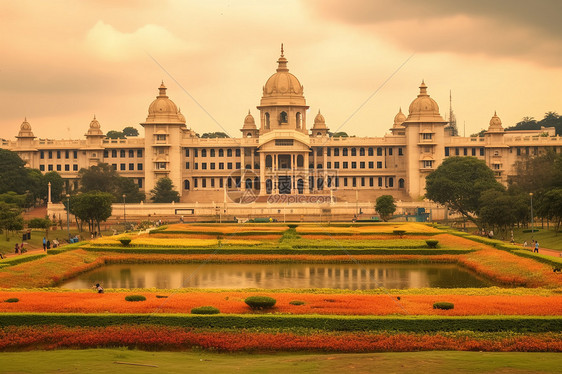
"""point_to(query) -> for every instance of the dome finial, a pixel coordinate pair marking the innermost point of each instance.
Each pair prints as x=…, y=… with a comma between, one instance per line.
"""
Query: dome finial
x=281, y=49
x=282, y=61
x=423, y=88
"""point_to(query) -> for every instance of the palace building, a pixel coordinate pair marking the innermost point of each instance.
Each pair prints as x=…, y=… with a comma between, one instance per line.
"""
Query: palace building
x=282, y=152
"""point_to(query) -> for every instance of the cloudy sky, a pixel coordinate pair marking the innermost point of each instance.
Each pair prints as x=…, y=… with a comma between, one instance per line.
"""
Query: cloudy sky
x=359, y=60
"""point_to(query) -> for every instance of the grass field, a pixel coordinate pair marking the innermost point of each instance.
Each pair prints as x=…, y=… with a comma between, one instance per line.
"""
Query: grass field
x=546, y=238
x=132, y=361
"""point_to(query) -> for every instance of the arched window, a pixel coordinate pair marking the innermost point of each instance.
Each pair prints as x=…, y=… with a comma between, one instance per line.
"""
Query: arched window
x=229, y=153
x=371, y=152
x=400, y=183
x=248, y=166
x=186, y=184
x=229, y=182
x=203, y=153
x=249, y=135
x=221, y=152
x=379, y=151
x=248, y=184
x=344, y=151
x=267, y=120
x=268, y=186
x=361, y=151
x=268, y=161
x=256, y=166
x=298, y=117
x=283, y=117
x=390, y=182
x=212, y=153
x=320, y=183
x=300, y=161
x=353, y=152
x=318, y=134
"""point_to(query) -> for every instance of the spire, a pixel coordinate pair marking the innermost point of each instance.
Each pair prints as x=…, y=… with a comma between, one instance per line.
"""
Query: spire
x=282, y=61
x=423, y=89
x=281, y=49
x=162, y=90
x=452, y=117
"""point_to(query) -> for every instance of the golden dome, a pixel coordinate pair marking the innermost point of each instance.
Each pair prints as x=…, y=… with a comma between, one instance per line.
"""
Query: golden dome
x=399, y=119
x=283, y=88
x=163, y=110
x=94, y=129
x=495, y=124
x=319, y=121
x=25, y=130
x=424, y=108
x=249, y=122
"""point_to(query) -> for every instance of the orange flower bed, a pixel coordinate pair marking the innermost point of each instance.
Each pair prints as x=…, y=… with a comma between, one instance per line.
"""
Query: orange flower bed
x=163, y=337
x=233, y=302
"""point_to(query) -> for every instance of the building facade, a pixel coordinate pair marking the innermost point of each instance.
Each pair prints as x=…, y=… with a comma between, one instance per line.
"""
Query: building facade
x=284, y=154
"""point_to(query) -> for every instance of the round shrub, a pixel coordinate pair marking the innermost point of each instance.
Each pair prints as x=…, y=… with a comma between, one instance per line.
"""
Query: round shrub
x=432, y=243
x=125, y=241
x=135, y=298
x=443, y=305
x=12, y=300
x=260, y=302
x=205, y=310
x=297, y=302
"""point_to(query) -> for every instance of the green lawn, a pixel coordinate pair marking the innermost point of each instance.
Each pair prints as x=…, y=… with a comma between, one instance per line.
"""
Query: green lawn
x=547, y=238
x=123, y=361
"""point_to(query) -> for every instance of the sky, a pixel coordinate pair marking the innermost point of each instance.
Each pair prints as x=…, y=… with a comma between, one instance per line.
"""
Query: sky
x=359, y=61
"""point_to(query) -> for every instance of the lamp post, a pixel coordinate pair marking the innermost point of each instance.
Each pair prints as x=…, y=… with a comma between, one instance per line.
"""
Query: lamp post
x=532, y=218
x=68, y=215
x=124, y=215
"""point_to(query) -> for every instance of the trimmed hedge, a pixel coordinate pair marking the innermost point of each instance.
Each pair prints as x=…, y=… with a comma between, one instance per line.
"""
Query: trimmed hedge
x=135, y=298
x=432, y=243
x=205, y=310
x=125, y=241
x=12, y=300
x=20, y=259
x=524, y=324
x=297, y=302
x=443, y=305
x=260, y=302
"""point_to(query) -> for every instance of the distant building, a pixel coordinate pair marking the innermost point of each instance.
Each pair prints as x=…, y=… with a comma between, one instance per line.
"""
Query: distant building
x=283, y=154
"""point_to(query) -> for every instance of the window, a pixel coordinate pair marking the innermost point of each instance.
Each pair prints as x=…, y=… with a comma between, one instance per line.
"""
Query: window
x=371, y=152
x=187, y=155
x=336, y=165
x=203, y=166
x=457, y=151
x=353, y=152
x=59, y=167
x=195, y=182
x=204, y=182
x=446, y=151
x=131, y=153
x=400, y=152
x=221, y=152
x=371, y=182
x=427, y=164
x=319, y=166
x=113, y=153
x=221, y=165
x=319, y=152
x=361, y=151
x=106, y=153
x=229, y=153
x=203, y=153
x=482, y=151
x=67, y=167
x=518, y=152
x=221, y=183
x=237, y=153
x=465, y=151
x=229, y=165
x=328, y=151
x=122, y=167
x=212, y=182
x=266, y=121
x=195, y=154
x=379, y=164
x=66, y=154
x=187, y=165
x=131, y=166
x=159, y=166
x=345, y=164
x=284, y=142
x=283, y=117
x=58, y=154
x=139, y=166
x=212, y=166
x=186, y=184
x=344, y=151
x=42, y=155
x=362, y=181
x=50, y=154
x=139, y=154
x=50, y=167
x=212, y=153
x=42, y=167
x=379, y=151
x=237, y=165
x=75, y=167
x=328, y=165
x=371, y=164
x=390, y=182
x=474, y=151
x=362, y=164
x=122, y=153
x=354, y=182
x=345, y=182
x=390, y=151
x=380, y=181
x=336, y=151
x=140, y=182
x=354, y=165
x=195, y=165
x=426, y=136
x=400, y=183
x=160, y=137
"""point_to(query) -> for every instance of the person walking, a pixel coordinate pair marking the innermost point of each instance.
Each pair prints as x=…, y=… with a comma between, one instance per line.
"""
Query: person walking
x=44, y=243
x=536, y=247
x=17, y=249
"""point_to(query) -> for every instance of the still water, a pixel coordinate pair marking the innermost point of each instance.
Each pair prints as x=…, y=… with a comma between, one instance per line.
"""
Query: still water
x=339, y=276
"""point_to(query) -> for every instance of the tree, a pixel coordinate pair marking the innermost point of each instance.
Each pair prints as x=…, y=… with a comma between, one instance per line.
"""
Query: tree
x=13, y=198
x=212, y=135
x=130, y=131
x=339, y=134
x=40, y=223
x=100, y=177
x=34, y=181
x=13, y=174
x=164, y=192
x=92, y=207
x=550, y=206
x=126, y=186
x=458, y=183
x=10, y=218
x=385, y=206
x=57, y=185
x=112, y=134
x=500, y=210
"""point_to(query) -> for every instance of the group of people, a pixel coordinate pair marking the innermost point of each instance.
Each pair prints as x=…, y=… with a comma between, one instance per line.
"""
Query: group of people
x=534, y=245
x=19, y=248
x=47, y=243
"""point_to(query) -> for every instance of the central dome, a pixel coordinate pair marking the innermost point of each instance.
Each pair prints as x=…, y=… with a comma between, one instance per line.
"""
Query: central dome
x=283, y=88
x=163, y=110
x=424, y=108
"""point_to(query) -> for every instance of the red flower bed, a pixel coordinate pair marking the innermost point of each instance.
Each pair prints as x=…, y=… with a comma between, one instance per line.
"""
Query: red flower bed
x=233, y=302
x=175, y=338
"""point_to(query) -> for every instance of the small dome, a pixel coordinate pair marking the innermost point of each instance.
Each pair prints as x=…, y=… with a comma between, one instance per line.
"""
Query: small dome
x=163, y=110
x=424, y=108
x=495, y=124
x=283, y=87
x=94, y=129
x=25, y=130
x=319, y=121
x=399, y=119
x=249, y=122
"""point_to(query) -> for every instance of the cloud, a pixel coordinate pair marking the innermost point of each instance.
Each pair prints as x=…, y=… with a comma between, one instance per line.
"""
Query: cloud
x=500, y=28
x=111, y=44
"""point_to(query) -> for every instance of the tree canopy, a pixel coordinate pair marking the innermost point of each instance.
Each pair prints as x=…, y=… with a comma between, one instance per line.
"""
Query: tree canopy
x=385, y=206
x=164, y=192
x=13, y=174
x=130, y=131
x=10, y=218
x=92, y=207
x=104, y=178
x=458, y=183
x=212, y=135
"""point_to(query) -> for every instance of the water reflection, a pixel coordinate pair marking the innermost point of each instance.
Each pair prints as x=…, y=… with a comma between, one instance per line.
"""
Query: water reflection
x=368, y=276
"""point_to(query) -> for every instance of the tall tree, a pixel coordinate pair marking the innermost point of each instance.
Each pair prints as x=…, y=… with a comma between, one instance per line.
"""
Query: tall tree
x=500, y=210
x=550, y=206
x=130, y=131
x=126, y=186
x=100, y=177
x=458, y=183
x=92, y=207
x=385, y=206
x=13, y=174
x=10, y=218
x=164, y=192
